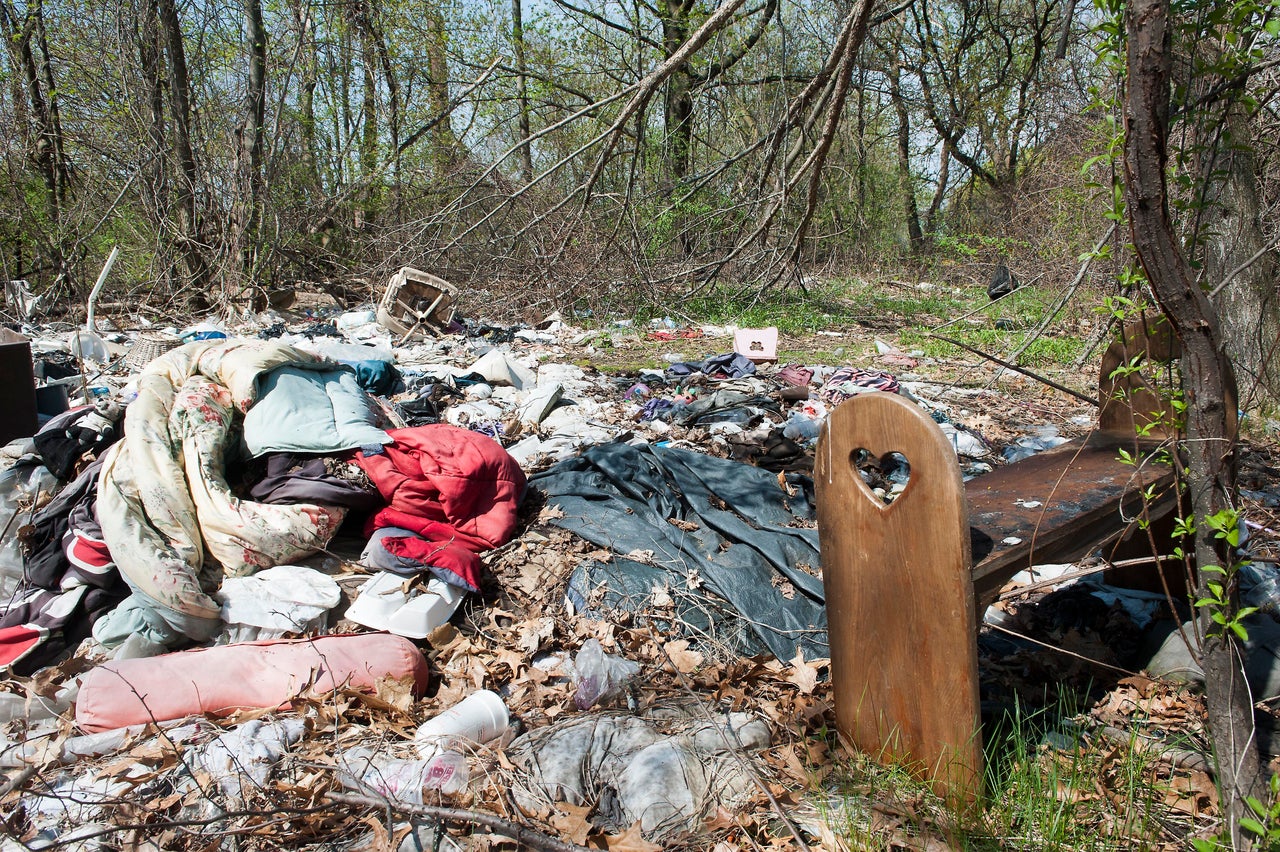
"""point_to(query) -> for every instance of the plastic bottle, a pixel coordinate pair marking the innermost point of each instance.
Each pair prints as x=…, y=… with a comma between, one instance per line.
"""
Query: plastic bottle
x=800, y=428
x=368, y=771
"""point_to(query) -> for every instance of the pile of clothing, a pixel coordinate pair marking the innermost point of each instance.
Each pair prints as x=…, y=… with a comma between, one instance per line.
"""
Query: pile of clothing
x=238, y=455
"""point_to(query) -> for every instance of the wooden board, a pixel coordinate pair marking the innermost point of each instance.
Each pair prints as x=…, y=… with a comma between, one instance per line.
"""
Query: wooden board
x=900, y=606
x=1059, y=505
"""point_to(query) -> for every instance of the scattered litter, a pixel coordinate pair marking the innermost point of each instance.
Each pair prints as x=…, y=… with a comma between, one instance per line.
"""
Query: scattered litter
x=598, y=677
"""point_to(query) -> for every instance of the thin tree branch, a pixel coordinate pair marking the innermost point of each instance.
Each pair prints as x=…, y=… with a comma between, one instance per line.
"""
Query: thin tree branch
x=523, y=835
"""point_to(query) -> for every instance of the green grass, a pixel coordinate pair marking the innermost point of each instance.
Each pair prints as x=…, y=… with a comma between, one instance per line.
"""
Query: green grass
x=1066, y=796
x=864, y=310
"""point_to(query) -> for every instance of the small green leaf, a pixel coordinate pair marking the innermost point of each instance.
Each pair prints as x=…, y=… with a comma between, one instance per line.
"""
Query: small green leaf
x=1251, y=824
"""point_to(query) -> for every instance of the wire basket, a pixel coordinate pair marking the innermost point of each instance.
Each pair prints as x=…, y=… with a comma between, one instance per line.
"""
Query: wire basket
x=148, y=347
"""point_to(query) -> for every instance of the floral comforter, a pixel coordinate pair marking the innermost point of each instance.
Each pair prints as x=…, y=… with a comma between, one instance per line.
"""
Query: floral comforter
x=168, y=516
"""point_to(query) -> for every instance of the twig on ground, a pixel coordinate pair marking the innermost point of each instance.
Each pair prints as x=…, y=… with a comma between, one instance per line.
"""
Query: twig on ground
x=17, y=781
x=525, y=836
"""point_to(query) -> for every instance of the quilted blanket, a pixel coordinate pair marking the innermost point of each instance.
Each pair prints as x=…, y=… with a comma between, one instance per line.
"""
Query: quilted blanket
x=168, y=515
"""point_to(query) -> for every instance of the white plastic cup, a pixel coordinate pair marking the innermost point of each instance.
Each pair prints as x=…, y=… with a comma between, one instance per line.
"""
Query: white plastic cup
x=480, y=717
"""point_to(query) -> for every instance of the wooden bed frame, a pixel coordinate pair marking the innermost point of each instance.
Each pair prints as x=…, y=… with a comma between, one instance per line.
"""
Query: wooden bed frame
x=907, y=582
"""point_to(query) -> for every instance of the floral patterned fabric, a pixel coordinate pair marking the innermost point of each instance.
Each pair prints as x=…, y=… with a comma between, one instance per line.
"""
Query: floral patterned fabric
x=168, y=515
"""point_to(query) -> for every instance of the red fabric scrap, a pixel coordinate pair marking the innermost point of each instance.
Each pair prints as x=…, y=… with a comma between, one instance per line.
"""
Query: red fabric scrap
x=458, y=489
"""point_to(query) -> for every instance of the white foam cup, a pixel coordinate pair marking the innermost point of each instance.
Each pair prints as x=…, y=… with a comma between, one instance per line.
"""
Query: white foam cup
x=480, y=717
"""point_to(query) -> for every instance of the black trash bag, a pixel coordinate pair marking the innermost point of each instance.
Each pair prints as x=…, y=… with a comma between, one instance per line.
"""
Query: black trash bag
x=1003, y=282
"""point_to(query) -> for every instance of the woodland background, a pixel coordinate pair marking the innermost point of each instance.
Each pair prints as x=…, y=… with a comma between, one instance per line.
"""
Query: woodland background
x=620, y=156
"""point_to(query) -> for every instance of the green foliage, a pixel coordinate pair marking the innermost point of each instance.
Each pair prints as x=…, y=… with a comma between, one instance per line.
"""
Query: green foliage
x=973, y=246
x=792, y=310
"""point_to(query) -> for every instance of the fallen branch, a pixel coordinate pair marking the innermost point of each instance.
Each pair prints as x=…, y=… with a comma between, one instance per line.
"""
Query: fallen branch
x=17, y=781
x=529, y=838
x=1023, y=370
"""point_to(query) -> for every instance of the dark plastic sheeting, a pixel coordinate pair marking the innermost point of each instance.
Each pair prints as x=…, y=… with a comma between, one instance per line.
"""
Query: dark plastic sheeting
x=748, y=540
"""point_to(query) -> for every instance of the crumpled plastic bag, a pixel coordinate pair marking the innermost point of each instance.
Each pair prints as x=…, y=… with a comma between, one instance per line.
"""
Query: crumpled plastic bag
x=598, y=677
x=633, y=769
x=279, y=600
x=246, y=753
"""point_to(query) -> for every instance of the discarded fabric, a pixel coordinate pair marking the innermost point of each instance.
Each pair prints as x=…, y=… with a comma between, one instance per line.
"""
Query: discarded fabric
x=728, y=524
x=633, y=771
x=251, y=676
x=456, y=490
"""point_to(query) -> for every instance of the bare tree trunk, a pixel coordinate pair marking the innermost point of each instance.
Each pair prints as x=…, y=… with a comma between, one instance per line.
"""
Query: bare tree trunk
x=247, y=216
x=189, y=219
x=304, y=19
x=1208, y=387
x=45, y=148
x=906, y=185
x=369, y=159
x=678, y=105
x=438, y=89
x=522, y=88
x=150, y=59
x=1238, y=260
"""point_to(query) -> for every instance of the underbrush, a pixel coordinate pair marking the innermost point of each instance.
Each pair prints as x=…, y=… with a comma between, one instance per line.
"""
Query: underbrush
x=1048, y=787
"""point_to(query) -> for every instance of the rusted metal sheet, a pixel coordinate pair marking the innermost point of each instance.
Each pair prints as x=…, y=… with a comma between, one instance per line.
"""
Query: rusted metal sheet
x=1057, y=506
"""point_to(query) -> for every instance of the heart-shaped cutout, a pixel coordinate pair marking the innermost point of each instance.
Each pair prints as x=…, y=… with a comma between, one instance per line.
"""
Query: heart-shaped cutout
x=885, y=476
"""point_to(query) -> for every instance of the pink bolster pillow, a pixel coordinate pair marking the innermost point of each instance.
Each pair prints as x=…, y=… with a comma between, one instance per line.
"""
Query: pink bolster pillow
x=252, y=675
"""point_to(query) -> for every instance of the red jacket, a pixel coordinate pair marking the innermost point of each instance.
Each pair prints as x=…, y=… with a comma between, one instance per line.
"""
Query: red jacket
x=456, y=488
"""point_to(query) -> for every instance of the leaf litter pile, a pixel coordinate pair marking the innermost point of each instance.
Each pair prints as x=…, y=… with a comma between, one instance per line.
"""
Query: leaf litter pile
x=1060, y=661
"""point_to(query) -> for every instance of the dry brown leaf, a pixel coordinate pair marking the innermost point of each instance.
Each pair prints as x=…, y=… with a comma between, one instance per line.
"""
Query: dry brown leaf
x=571, y=821
x=803, y=675
x=720, y=820
x=534, y=633
x=631, y=840
x=831, y=842
x=381, y=840
x=682, y=658
x=512, y=659
x=1192, y=794
x=398, y=692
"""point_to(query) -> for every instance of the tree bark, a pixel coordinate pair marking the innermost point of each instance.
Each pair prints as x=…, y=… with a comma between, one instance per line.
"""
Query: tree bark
x=1208, y=387
x=248, y=214
x=190, y=226
x=678, y=104
x=906, y=184
x=438, y=89
x=151, y=61
x=1238, y=260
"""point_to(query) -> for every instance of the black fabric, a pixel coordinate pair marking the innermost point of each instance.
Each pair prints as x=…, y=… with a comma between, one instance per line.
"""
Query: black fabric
x=56, y=594
x=294, y=478
x=62, y=442
x=737, y=535
x=724, y=406
x=45, y=563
